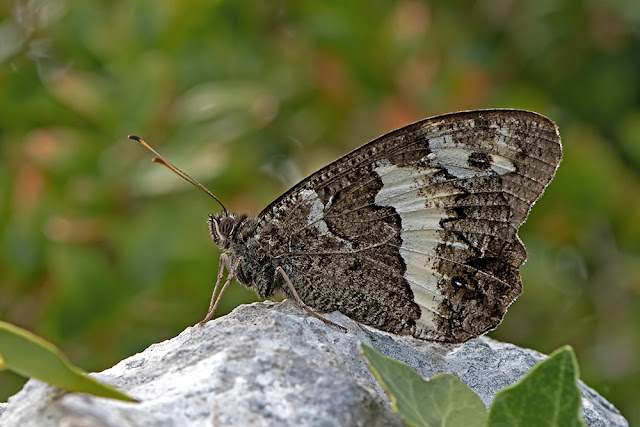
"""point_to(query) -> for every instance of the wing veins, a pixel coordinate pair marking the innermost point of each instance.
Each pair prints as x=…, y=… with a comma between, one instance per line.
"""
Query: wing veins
x=351, y=251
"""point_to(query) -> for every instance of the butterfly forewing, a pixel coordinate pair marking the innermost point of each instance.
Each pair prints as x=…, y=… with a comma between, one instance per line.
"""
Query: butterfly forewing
x=416, y=232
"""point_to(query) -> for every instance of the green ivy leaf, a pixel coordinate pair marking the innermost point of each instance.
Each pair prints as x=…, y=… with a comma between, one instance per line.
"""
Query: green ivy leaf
x=547, y=396
x=31, y=356
x=444, y=400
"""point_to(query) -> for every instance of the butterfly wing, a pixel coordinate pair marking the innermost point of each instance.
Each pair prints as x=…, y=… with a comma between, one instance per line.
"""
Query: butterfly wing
x=416, y=231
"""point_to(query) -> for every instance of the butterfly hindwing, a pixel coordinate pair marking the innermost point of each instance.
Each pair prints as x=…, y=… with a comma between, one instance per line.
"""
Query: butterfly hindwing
x=416, y=232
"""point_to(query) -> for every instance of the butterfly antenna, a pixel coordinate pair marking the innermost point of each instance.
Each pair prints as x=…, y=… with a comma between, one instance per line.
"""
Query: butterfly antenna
x=160, y=159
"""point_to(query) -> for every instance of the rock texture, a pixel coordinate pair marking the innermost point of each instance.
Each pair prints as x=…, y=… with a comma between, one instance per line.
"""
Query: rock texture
x=270, y=364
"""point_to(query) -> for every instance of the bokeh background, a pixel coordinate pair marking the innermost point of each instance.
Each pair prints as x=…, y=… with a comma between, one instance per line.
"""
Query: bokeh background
x=104, y=253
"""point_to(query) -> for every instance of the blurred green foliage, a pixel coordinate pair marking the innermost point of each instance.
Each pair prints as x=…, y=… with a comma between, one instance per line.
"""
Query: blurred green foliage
x=104, y=253
x=30, y=356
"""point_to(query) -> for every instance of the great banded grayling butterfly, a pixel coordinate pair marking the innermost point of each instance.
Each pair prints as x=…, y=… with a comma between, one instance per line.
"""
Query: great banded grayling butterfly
x=413, y=233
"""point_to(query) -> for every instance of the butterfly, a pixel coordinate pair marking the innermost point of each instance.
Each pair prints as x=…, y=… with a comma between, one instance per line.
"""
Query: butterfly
x=414, y=233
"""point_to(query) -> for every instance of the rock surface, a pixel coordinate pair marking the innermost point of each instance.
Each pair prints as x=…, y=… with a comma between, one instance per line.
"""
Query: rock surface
x=270, y=364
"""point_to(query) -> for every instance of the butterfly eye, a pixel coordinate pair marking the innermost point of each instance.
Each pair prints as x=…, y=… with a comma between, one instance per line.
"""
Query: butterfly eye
x=226, y=226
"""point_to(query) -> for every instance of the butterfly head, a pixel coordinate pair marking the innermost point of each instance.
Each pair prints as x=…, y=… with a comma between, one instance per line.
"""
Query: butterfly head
x=222, y=227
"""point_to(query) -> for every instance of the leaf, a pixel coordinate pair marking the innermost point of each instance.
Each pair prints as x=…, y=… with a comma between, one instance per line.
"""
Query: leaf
x=547, y=396
x=444, y=400
x=31, y=356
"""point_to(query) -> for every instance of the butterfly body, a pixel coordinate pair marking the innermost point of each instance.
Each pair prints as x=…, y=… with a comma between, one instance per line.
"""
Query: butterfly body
x=414, y=233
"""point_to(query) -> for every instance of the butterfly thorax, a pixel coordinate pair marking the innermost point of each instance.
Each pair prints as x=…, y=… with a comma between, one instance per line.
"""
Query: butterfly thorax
x=235, y=235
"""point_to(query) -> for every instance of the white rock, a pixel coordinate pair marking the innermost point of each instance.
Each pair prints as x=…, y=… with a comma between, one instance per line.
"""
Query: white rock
x=270, y=364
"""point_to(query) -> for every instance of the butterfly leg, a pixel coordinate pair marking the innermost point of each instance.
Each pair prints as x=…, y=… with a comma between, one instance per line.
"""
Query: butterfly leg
x=302, y=304
x=225, y=261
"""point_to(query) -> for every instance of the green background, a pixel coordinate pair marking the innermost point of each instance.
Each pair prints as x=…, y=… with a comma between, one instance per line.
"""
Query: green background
x=104, y=253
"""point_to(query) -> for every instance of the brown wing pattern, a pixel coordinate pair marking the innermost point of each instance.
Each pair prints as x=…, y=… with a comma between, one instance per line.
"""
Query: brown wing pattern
x=416, y=232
